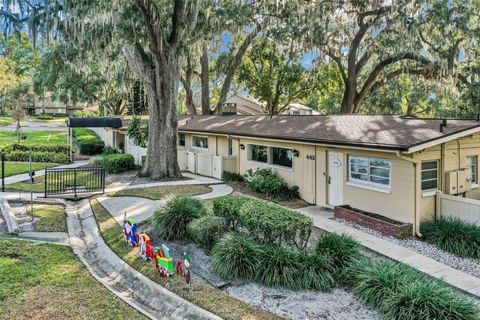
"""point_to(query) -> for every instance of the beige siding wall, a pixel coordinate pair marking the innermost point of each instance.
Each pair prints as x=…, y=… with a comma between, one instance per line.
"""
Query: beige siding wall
x=398, y=203
x=455, y=158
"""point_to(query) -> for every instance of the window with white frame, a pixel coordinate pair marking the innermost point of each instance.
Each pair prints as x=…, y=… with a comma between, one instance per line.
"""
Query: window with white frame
x=200, y=142
x=369, y=171
x=282, y=157
x=429, y=175
x=181, y=139
x=472, y=164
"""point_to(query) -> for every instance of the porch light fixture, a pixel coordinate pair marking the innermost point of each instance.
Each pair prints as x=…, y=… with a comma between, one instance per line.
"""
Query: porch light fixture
x=296, y=153
x=242, y=147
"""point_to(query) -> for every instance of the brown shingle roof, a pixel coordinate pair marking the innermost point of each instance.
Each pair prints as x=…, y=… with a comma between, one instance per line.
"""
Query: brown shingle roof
x=378, y=131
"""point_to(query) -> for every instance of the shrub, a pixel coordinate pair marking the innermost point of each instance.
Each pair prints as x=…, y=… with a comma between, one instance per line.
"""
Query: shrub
x=236, y=256
x=314, y=272
x=453, y=235
x=88, y=141
x=96, y=161
x=44, y=117
x=341, y=250
x=57, y=148
x=232, y=176
x=109, y=150
x=273, y=224
x=53, y=157
x=172, y=216
x=265, y=181
x=228, y=207
x=116, y=163
x=207, y=230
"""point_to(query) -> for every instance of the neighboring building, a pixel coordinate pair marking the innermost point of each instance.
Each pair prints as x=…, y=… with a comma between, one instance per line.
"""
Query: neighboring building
x=48, y=106
x=389, y=165
x=247, y=106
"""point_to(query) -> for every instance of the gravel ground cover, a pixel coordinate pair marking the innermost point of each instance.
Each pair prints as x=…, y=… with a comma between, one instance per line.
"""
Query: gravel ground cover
x=338, y=304
x=467, y=265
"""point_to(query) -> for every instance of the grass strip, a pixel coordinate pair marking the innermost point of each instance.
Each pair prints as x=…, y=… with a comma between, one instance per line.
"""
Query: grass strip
x=157, y=193
x=52, y=217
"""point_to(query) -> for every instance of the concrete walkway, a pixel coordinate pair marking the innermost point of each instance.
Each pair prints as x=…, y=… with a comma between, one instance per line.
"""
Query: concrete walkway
x=131, y=286
x=456, y=278
x=24, y=176
x=141, y=209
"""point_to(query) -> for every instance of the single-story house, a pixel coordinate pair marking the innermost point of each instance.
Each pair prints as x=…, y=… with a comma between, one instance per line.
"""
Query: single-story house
x=248, y=105
x=385, y=164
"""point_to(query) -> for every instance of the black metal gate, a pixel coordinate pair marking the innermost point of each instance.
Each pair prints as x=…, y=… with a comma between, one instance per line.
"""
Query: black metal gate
x=74, y=180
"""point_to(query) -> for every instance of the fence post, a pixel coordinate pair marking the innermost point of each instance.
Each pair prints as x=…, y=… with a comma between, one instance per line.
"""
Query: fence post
x=438, y=204
x=46, y=178
x=3, y=170
x=75, y=182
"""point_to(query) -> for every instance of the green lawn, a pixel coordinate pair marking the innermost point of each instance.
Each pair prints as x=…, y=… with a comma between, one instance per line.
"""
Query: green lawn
x=157, y=193
x=52, y=217
x=202, y=294
x=12, y=168
x=5, y=121
x=54, y=119
x=39, y=185
x=46, y=281
x=34, y=137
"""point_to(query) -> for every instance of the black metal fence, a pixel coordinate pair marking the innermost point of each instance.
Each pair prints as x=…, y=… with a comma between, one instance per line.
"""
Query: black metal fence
x=74, y=180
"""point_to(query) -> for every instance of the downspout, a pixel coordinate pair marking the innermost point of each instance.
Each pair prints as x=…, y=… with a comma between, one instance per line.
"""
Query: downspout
x=416, y=206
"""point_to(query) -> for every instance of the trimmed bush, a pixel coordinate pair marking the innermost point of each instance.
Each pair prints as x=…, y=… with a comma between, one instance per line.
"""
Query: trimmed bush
x=274, y=224
x=96, y=161
x=207, y=230
x=116, y=163
x=172, y=216
x=57, y=148
x=109, y=150
x=88, y=141
x=53, y=157
x=236, y=256
x=341, y=250
x=228, y=207
x=453, y=235
x=232, y=176
x=266, y=182
x=403, y=293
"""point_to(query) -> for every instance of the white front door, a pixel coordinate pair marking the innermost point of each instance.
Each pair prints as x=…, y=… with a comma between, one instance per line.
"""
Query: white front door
x=335, y=178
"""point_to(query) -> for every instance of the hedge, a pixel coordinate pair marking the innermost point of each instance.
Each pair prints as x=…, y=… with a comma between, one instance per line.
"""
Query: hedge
x=116, y=163
x=207, y=230
x=269, y=223
x=41, y=148
x=274, y=224
x=88, y=141
x=53, y=157
x=228, y=207
x=266, y=182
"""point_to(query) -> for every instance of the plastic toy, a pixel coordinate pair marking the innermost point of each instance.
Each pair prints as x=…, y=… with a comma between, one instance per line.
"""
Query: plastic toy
x=146, y=251
x=130, y=232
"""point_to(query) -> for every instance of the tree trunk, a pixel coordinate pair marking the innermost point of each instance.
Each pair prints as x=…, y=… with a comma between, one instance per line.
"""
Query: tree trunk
x=187, y=85
x=205, y=79
x=162, y=96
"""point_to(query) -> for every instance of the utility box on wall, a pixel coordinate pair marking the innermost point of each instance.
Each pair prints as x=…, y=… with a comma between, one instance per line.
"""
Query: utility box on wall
x=458, y=181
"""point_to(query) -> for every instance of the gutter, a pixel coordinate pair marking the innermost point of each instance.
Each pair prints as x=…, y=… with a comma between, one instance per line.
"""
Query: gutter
x=416, y=206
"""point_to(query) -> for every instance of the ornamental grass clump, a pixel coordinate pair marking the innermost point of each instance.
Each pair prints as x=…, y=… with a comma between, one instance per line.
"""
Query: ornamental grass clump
x=454, y=236
x=342, y=251
x=228, y=207
x=273, y=224
x=402, y=293
x=236, y=256
x=206, y=230
x=172, y=216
